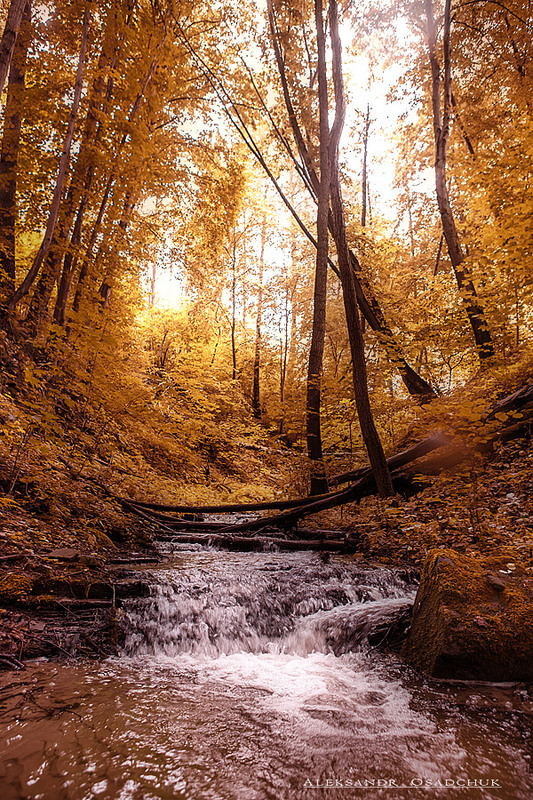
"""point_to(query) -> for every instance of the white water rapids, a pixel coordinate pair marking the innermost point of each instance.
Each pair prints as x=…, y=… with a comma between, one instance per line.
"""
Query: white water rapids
x=256, y=677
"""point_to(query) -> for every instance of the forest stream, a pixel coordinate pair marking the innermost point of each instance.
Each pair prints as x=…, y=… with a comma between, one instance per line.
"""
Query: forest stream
x=257, y=676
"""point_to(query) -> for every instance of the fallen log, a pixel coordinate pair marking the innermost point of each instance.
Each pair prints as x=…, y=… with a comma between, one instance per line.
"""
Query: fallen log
x=398, y=460
x=287, y=520
x=513, y=401
x=223, y=508
x=262, y=543
x=416, y=451
x=410, y=481
x=362, y=484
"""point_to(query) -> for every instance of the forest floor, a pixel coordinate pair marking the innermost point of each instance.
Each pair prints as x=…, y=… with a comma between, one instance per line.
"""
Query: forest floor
x=65, y=541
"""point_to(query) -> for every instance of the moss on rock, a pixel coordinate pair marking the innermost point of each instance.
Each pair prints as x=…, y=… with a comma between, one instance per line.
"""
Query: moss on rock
x=15, y=587
x=472, y=619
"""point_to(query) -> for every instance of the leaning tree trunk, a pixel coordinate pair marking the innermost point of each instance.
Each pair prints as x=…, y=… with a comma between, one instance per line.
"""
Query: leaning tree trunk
x=10, y=154
x=362, y=400
x=441, y=130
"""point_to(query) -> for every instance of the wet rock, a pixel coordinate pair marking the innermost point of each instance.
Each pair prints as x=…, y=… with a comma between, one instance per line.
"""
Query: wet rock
x=472, y=619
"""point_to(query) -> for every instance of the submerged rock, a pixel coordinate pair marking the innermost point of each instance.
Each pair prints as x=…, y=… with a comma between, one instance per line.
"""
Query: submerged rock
x=472, y=619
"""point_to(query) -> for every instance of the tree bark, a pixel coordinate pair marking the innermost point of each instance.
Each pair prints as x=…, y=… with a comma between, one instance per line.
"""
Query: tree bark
x=441, y=130
x=9, y=37
x=9, y=156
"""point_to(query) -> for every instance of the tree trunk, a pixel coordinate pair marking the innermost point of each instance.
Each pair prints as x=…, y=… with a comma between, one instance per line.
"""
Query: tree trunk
x=23, y=290
x=9, y=37
x=415, y=384
x=284, y=355
x=9, y=157
x=441, y=129
x=74, y=205
x=256, y=393
x=234, y=309
x=364, y=190
x=69, y=266
x=319, y=483
x=289, y=326
x=84, y=271
x=113, y=245
x=362, y=401
x=102, y=93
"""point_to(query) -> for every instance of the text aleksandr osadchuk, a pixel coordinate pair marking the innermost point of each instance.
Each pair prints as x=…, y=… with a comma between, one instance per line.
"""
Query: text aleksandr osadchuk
x=388, y=783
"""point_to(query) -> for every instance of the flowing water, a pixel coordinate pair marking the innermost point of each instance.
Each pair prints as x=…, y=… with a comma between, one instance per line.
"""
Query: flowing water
x=257, y=677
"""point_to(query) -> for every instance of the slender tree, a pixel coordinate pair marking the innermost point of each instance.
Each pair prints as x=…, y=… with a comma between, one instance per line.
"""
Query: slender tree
x=24, y=288
x=319, y=483
x=368, y=429
x=234, y=306
x=256, y=381
x=415, y=384
x=75, y=203
x=9, y=159
x=364, y=188
x=441, y=131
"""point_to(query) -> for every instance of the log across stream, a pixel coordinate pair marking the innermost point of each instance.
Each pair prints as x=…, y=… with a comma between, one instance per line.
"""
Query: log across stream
x=509, y=417
x=259, y=676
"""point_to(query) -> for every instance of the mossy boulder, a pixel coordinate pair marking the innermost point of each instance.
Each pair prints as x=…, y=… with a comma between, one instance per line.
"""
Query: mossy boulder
x=15, y=587
x=472, y=619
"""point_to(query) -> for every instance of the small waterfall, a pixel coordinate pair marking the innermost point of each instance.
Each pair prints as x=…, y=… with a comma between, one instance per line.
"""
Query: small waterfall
x=304, y=607
x=256, y=677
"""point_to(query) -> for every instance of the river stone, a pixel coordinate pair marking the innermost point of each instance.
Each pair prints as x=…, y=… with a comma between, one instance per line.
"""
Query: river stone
x=472, y=619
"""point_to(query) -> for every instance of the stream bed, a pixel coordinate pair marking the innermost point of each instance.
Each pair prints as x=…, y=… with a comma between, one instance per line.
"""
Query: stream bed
x=258, y=676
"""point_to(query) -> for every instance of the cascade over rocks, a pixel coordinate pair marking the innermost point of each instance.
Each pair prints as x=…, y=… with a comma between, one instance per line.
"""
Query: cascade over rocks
x=472, y=619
